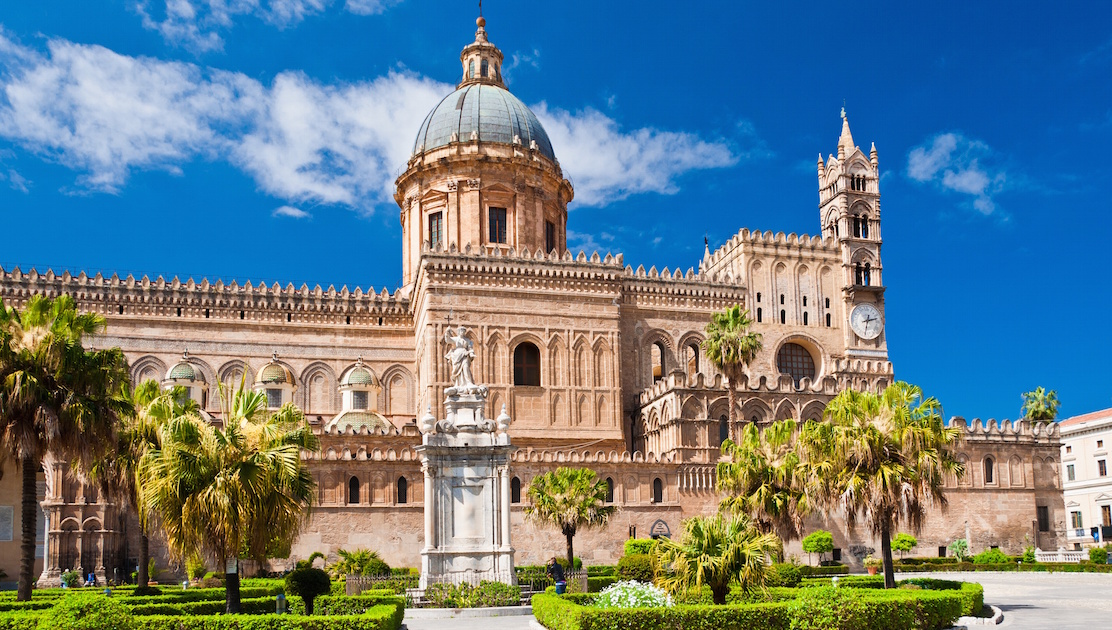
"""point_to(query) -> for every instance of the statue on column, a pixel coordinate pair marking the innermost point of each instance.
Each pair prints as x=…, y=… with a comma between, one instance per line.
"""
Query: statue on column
x=460, y=355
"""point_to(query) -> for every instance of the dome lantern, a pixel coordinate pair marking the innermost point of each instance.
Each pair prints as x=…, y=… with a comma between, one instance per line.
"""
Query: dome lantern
x=277, y=381
x=482, y=61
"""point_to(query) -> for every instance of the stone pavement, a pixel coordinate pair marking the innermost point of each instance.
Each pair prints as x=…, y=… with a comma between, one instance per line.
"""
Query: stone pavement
x=1044, y=601
x=473, y=623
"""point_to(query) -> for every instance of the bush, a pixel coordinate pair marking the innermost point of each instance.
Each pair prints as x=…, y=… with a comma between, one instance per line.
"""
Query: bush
x=636, y=546
x=632, y=594
x=145, y=591
x=596, y=584
x=485, y=595
x=384, y=617
x=1029, y=555
x=834, y=569
x=638, y=566
x=72, y=579
x=820, y=542
x=356, y=604
x=308, y=583
x=195, y=567
x=991, y=556
x=1098, y=555
x=87, y=611
x=959, y=549
x=570, y=613
x=787, y=575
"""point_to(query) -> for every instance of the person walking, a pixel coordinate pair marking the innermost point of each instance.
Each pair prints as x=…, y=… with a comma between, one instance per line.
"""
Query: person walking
x=555, y=571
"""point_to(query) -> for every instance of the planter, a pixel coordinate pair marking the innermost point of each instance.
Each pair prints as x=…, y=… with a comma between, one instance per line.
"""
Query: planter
x=871, y=570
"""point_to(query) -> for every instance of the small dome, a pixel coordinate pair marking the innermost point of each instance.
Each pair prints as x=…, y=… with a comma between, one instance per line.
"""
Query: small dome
x=358, y=420
x=360, y=376
x=185, y=371
x=491, y=111
x=274, y=374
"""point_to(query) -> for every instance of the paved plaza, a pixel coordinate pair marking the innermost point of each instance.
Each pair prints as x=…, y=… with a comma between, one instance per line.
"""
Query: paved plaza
x=1030, y=601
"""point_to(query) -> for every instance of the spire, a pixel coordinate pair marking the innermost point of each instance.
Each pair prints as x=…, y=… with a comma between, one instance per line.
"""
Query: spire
x=872, y=154
x=846, y=140
x=822, y=167
x=706, y=250
x=482, y=61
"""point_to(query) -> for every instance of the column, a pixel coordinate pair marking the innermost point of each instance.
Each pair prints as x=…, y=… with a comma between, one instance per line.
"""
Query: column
x=505, y=507
x=430, y=508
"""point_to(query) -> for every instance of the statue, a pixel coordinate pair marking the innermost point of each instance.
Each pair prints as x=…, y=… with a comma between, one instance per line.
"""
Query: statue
x=460, y=355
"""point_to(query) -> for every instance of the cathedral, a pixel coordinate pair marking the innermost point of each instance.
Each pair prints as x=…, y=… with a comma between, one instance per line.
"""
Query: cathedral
x=600, y=365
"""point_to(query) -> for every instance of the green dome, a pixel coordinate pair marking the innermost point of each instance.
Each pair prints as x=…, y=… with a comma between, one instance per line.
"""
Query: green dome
x=274, y=373
x=360, y=376
x=186, y=372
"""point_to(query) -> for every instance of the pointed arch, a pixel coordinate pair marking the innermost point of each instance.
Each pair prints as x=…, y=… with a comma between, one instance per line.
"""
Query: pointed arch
x=602, y=418
x=319, y=393
x=583, y=411
x=398, y=391
x=813, y=410
x=756, y=410
x=148, y=368
x=558, y=361
x=602, y=366
x=692, y=408
x=785, y=410
x=232, y=373
x=496, y=359
x=557, y=410
x=581, y=364
x=1016, y=478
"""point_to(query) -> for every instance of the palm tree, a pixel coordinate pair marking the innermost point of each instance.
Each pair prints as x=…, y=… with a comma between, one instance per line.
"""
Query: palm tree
x=234, y=491
x=882, y=458
x=716, y=551
x=118, y=472
x=57, y=399
x=731, y=347
x=759, y=479
x=571, y=499
x=1040, y=405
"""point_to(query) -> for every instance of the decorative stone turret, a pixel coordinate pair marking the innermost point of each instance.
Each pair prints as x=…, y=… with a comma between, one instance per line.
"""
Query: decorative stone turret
x=482, y=61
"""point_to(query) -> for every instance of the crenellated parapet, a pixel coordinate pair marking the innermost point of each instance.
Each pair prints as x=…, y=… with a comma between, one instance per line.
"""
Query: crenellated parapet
x=1009, y=431
x=175, y=298
x=768, y=242
x=700, y=383
x=588, y=457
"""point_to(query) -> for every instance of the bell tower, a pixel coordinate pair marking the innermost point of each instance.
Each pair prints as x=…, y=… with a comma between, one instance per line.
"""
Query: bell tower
x=849, y=211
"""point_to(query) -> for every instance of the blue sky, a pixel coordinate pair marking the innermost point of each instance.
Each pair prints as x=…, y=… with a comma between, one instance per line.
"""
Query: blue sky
x=258, y=140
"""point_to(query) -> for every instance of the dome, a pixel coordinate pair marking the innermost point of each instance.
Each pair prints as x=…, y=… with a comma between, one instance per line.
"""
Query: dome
x=491, y=111
x=185, y=371
x=274, y=374
x=360, y=376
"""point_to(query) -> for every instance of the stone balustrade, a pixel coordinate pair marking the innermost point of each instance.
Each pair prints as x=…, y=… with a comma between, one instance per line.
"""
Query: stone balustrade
x=1060, y=556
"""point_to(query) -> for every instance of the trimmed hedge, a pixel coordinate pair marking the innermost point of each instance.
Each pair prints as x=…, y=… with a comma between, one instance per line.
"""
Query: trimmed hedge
x=382, y=617
x=20, y=620
x=638, y=566
x=558, y=613
x=1038, y=567
x=356, y=604
x=596, y=584
x=808, y=571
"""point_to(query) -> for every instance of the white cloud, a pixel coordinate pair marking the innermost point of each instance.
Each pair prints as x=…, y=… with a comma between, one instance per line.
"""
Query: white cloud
x=957, y=164
x=17, y=181
x=608, y=165
x=583, y=242
x=106, y=115
x=291, y=212
x=195, y=24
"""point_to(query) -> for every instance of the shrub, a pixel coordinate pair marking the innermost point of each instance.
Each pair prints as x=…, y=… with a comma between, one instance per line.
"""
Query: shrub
x=635, y=546
x=356, y=604
x=485, y=595
x=959, y=549
x=639, y=566
x=308, y=583
x=596, y=584
x=630, y=594
x=783, y=575
x=71, y=579
x=195, y=568
x=820, y=542
x=1099, y=555
x=991, y=556
x=904, y=543
x=1029, y=555
x=146, y=591
x=87, y=611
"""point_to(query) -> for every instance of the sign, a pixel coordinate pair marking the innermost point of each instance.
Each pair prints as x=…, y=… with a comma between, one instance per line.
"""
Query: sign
x=660, y=529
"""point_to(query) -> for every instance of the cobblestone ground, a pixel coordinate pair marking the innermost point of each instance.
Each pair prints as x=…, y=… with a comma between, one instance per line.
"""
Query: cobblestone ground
x=1030, y=601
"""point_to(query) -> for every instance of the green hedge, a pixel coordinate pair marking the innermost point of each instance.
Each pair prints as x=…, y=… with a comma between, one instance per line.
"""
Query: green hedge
x=252, y=606
x=1038, y=567
x=808, y=571
x=355, y=604
x=596, y=584
x=383, y=617
x=20, y=620
x=811, y=609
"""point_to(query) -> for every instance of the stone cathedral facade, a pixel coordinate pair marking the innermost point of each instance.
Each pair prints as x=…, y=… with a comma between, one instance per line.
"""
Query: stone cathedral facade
x=599, y=364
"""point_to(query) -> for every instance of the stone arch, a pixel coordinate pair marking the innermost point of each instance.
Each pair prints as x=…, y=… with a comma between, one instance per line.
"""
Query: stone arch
x=692, y=409
x=233, y=372
x=756, y=408
x=811, y=345
x=148, y=368
x=603, y=361
x=535, y=340
x=693, y=360
x=813, y=410
x=581, y=363
x=583, y=411
x=785, y=410
x=661, y=341
x=397, y=391
x=965, y=480
x=719, y=407
x=319, y=393
x=557, y=410
x=1016, y=478
x=557, y=362
x=495, y=356
x=602, y=418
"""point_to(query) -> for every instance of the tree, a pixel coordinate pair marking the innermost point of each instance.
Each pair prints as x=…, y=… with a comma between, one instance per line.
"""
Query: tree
x=904, y=543
x=716, y=551
x=571, y=499
x=358, y=562
x=232, y=491
x=57, y=399
x=118, y=472
x=731, y=347
x=881, y=458
x=1040, y=405
x=820, y=542
x=760, y=480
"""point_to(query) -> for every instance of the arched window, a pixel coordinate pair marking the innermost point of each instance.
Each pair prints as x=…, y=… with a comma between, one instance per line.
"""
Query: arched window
x=403, y=490
x=723, y=428
x=857, y=274
x=990, y=470
x=828, y=320
x=864, y=227
x=658, y=490
x=609, y=490
x=866, y=275
x=759, y=314
x=657, y=351
x=515, y=490
x=795, y=361
x=783, y=316
x=353, y=491
x=804, y=317
x=692, y=351
x=471, y=69
x=483, y=68
x=527, y=365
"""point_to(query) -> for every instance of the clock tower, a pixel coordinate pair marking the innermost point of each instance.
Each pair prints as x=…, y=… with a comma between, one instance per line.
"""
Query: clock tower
x=849, y=209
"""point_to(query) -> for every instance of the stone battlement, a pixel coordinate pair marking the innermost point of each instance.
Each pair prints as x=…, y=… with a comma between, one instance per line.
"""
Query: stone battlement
x=1024, y=431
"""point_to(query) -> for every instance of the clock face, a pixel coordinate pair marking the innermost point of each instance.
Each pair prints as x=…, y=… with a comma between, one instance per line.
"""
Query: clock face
x=865, y=320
